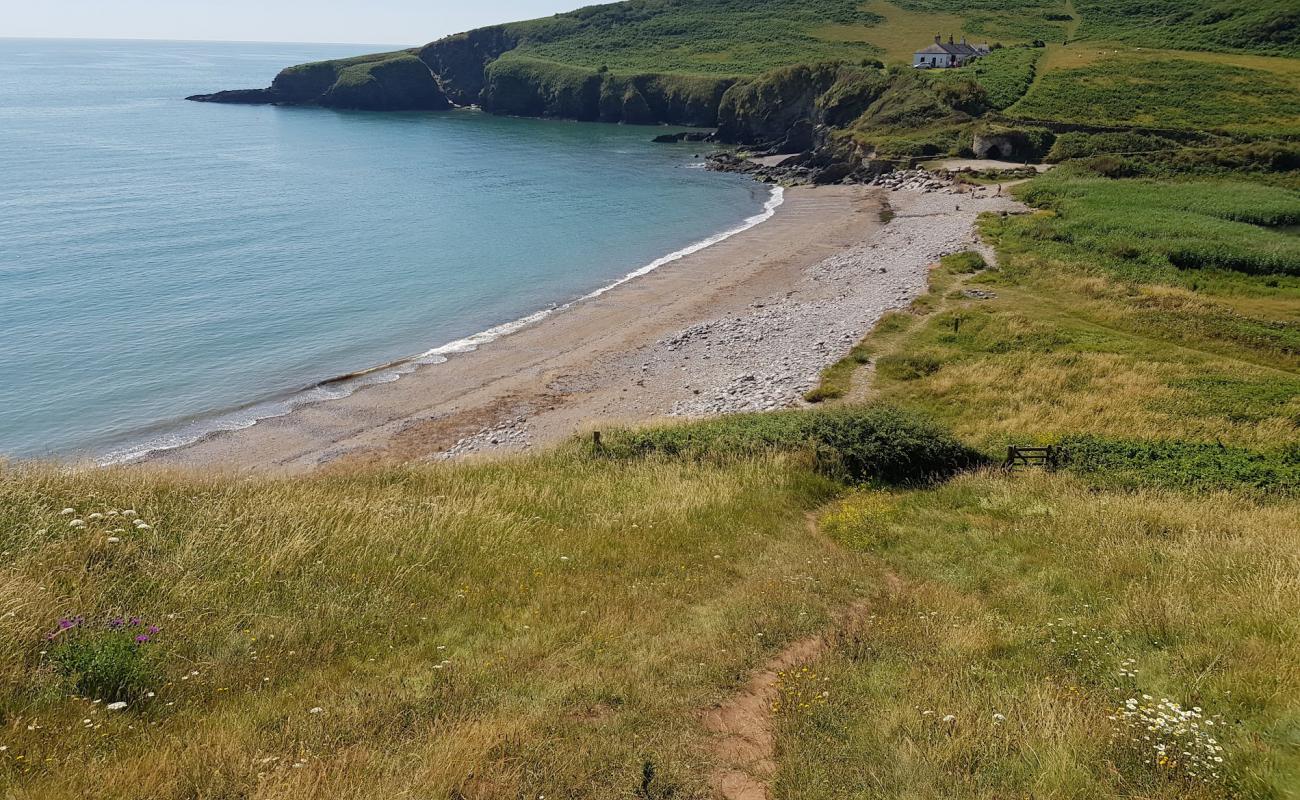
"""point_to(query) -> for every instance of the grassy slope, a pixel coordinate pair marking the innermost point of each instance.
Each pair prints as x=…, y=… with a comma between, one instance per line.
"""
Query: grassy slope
x=585, y=609
x=730, y=38
x=724, y=37
x=1094, y=330
x=1165, y=90
x=1051, y=599
x=1050, y=603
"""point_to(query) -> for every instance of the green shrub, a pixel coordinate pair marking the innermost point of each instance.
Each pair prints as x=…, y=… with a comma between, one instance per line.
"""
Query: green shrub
x=1182, y=465
x=1078, y=144
x=874, y=444
x=837, y=379
x=1005, y=75
x=113, y=663
x=893, y=322
x=1112, y=166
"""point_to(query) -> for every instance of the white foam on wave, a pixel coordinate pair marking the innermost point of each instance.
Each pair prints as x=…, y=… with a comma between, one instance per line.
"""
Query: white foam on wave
x=190, y=432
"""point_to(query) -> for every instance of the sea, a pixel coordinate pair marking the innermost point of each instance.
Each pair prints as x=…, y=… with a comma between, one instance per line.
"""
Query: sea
x=170, y=268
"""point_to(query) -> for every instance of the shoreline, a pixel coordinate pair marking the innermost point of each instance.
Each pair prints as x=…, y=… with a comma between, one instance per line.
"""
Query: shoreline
x=745, y=322
x=231, y=420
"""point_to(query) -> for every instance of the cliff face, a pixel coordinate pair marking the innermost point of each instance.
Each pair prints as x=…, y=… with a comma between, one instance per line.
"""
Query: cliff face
x=783, y=108
x=469, y=69
x=461, y=61
x=399, y=84
x=534, y=88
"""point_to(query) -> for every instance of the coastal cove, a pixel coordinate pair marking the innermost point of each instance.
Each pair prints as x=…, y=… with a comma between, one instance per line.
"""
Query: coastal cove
x=198, y=267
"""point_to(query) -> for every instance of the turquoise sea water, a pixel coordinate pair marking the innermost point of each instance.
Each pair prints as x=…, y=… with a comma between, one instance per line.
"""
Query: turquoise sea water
x=168, y=267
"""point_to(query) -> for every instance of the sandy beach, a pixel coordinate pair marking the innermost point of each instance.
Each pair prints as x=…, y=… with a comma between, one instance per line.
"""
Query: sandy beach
x=745, y=324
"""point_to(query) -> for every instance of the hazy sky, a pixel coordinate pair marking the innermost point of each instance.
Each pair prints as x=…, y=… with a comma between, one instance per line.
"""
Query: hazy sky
x=405, y=22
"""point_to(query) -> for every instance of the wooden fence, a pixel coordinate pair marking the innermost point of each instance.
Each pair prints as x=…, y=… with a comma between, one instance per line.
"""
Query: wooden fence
x=1048, y=457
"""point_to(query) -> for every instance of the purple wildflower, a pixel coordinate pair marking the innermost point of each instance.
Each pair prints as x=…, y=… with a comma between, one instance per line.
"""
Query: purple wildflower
x=154, y=629
x=64, y=624
x=116, y=623
x=142, y=638
x=135, y=620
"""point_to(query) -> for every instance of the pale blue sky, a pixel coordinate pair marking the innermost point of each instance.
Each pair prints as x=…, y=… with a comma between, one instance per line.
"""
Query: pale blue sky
x=405, y=22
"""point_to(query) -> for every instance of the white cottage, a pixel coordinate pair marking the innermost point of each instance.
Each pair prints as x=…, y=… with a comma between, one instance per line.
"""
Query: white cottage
x=942, y=55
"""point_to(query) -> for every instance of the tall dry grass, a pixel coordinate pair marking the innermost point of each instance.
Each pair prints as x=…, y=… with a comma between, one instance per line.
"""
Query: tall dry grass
x=535, y=626
x=1032, y=607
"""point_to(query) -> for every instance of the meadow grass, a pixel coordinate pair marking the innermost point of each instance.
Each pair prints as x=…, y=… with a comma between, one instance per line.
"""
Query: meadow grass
x=1164, y=90
x=1028, y=609
x=903, y=28
x=537, y=626
x=1262, y=26
x=709, y=37
x=1088, y=327
x=837, y=379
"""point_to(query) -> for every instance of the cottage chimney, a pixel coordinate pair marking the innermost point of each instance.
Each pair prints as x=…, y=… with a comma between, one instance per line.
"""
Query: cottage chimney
x=950, y=38
x=938, y=38
x=963, y=40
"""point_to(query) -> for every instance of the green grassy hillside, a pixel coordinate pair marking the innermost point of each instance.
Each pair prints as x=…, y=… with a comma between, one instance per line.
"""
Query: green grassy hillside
x=1262, y=26
x=1162, y=90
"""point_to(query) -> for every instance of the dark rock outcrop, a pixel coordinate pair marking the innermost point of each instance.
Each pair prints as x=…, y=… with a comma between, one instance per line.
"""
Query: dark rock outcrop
x=782, y=108
x=684, y=136
x=241, y=96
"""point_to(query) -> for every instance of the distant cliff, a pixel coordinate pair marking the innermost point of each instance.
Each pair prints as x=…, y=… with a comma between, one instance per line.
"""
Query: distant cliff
x=382, y=82
x=469, y=69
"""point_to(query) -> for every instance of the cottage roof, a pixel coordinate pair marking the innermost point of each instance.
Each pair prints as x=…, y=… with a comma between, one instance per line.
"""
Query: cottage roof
x=953, y=48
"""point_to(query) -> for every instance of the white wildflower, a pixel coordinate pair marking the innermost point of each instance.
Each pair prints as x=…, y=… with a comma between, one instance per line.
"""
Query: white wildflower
x=118, y=706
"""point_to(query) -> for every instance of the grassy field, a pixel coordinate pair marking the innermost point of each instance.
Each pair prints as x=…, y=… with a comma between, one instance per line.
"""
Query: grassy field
x=1033, y=613
x=542, y=626
x=708, y=37
x=904, y=28
x=1262, y=26
x=1094, y=327
x=1160, y=90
